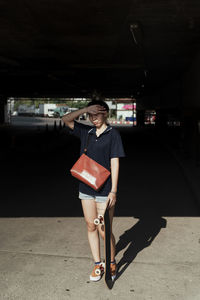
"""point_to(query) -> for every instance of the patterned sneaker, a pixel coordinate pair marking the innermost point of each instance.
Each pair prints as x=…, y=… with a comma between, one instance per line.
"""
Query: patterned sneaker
x=97, y=273
x=113, y=270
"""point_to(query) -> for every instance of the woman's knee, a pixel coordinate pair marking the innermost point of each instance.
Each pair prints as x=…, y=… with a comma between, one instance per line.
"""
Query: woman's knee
x=91, y=226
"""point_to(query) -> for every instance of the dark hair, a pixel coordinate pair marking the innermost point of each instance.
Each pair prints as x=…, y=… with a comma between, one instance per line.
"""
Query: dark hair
x=99, y=102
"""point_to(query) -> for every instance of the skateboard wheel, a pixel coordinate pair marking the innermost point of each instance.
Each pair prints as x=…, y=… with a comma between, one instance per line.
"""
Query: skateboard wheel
x=98, y=272
x=103, y=265
x=101, y=219
x=96, y=221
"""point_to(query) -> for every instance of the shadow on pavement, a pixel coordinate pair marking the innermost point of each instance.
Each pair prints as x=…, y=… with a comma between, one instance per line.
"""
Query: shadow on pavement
x=138, y=237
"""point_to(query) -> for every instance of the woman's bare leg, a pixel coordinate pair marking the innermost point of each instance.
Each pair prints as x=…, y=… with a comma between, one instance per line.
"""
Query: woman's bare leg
x=90, y=213
x=100, y=211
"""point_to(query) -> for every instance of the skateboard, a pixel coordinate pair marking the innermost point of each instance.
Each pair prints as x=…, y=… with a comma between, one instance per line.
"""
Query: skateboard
x=107, y=276
x=105, y=220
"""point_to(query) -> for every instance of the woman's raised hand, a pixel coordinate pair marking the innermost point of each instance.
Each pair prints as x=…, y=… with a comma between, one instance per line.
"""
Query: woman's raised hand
x=96, y=109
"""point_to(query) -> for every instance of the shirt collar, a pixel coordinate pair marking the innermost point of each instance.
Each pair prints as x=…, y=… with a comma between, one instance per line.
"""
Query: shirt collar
x=93, y=130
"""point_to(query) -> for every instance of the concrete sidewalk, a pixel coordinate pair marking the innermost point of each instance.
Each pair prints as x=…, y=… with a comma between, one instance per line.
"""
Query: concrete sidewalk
x=49, y=258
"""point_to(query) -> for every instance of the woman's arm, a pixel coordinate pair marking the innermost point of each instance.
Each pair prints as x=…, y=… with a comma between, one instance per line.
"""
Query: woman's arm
x=68, y=119
x=114, y=177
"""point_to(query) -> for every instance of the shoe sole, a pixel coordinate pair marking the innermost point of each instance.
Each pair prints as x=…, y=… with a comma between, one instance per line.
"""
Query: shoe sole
x=113, y=277
x=95, y=278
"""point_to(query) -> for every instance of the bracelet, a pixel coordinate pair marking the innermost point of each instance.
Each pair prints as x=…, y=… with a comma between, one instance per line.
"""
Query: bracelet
x=113, y=192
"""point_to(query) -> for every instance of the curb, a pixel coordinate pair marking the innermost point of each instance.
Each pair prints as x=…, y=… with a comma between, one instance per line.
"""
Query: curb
x=123, y=122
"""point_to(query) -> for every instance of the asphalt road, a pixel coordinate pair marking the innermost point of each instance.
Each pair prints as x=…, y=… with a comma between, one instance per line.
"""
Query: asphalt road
x=33, y=122
x=40, y=122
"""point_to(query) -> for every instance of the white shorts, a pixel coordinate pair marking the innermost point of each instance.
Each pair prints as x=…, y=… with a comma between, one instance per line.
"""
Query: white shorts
x=101, y=199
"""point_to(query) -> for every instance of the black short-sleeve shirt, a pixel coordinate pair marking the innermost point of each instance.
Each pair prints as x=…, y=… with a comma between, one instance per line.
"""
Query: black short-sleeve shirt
x=102, y=148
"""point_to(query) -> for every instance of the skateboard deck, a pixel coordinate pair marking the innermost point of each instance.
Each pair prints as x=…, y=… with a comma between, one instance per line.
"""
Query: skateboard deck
x=107, y=275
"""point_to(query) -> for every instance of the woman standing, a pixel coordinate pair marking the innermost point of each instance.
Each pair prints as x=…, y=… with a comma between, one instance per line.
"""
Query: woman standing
x=105, y=147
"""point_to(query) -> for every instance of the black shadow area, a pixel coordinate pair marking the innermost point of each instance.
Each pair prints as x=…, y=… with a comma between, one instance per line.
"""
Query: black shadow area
x=135, y=239
x=36, y=179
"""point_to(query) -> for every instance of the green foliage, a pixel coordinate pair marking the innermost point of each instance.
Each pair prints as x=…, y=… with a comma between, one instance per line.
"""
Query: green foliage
x=78, y=104
x=37, y=101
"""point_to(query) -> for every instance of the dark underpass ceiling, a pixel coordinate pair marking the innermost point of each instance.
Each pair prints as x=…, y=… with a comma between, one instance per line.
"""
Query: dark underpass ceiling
x=72, y=47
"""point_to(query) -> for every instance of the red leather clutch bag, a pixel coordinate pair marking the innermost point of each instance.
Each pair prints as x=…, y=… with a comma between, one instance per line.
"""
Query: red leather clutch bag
x=90, y=172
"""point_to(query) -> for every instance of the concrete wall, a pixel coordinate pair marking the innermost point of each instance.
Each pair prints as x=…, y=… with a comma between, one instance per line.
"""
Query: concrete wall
x=191, y=85
x=183, y=95
x=169, y=96
x=191, y=109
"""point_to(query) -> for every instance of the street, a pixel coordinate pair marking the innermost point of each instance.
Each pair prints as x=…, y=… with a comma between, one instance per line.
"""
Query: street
x=41, y=122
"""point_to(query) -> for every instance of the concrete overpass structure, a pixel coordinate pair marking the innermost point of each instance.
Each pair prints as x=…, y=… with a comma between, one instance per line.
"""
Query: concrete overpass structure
x=147, y=50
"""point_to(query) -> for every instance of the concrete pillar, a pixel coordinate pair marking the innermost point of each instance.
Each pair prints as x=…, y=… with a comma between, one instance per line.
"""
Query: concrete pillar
x=191, y=110
x=3, y=110
x=140, y=118
x=161, y=118
x=191, y=133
